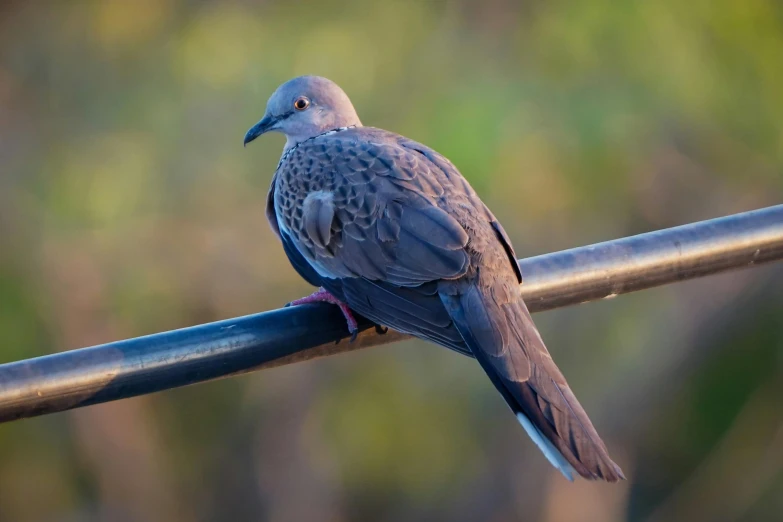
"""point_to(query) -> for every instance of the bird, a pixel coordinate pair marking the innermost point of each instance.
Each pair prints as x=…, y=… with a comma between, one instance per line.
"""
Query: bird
x=388, y=228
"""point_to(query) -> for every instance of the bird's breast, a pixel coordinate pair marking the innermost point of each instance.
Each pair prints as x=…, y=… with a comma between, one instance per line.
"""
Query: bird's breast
x=299, y=185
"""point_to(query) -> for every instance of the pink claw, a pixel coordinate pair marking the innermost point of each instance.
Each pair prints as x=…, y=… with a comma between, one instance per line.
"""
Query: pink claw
x=323, y=296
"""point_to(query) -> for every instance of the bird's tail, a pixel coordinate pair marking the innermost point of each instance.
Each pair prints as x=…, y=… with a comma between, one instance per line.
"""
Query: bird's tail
x=506, y=343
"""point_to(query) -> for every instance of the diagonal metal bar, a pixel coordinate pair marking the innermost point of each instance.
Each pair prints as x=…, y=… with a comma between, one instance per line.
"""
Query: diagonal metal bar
x=166, y=360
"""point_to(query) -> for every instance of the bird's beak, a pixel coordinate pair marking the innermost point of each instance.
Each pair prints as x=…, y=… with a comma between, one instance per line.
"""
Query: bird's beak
x=266, y=124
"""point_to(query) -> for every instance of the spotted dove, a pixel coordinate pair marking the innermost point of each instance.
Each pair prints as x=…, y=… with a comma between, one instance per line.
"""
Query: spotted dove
x=389, y=228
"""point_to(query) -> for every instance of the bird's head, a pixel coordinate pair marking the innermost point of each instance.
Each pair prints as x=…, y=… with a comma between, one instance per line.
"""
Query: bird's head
x=305, y=107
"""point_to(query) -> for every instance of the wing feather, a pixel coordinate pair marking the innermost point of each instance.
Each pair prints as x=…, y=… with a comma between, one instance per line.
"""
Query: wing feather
x=317, y=216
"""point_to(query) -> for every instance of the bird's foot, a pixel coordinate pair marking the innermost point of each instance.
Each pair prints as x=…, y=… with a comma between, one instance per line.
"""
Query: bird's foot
x=324, y=296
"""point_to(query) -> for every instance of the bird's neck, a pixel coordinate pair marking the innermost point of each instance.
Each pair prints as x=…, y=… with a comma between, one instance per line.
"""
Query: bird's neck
x=293, y=141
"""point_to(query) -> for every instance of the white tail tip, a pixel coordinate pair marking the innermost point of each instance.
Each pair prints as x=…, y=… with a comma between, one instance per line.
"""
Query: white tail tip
x=547, y=448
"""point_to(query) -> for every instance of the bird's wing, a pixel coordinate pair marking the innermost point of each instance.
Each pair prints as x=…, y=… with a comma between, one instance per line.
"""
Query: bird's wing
x=373, y=232
x=376, y=216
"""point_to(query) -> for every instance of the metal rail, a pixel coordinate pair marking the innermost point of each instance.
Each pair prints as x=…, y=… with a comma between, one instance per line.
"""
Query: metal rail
x=166, y=360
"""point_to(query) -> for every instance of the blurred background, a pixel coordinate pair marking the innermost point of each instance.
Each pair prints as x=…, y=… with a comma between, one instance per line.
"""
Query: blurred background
x=128, y=207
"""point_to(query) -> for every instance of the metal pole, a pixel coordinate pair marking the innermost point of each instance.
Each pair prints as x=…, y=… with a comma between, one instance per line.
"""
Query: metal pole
x=157, y=362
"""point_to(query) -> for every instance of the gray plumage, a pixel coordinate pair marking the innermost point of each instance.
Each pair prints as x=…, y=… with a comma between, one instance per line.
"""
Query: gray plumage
x=391, y=228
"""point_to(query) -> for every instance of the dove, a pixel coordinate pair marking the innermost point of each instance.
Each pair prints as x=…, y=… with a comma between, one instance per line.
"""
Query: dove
x=388, y=228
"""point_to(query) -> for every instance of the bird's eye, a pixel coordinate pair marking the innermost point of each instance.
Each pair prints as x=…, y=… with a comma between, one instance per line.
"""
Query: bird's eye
x=301, y=103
